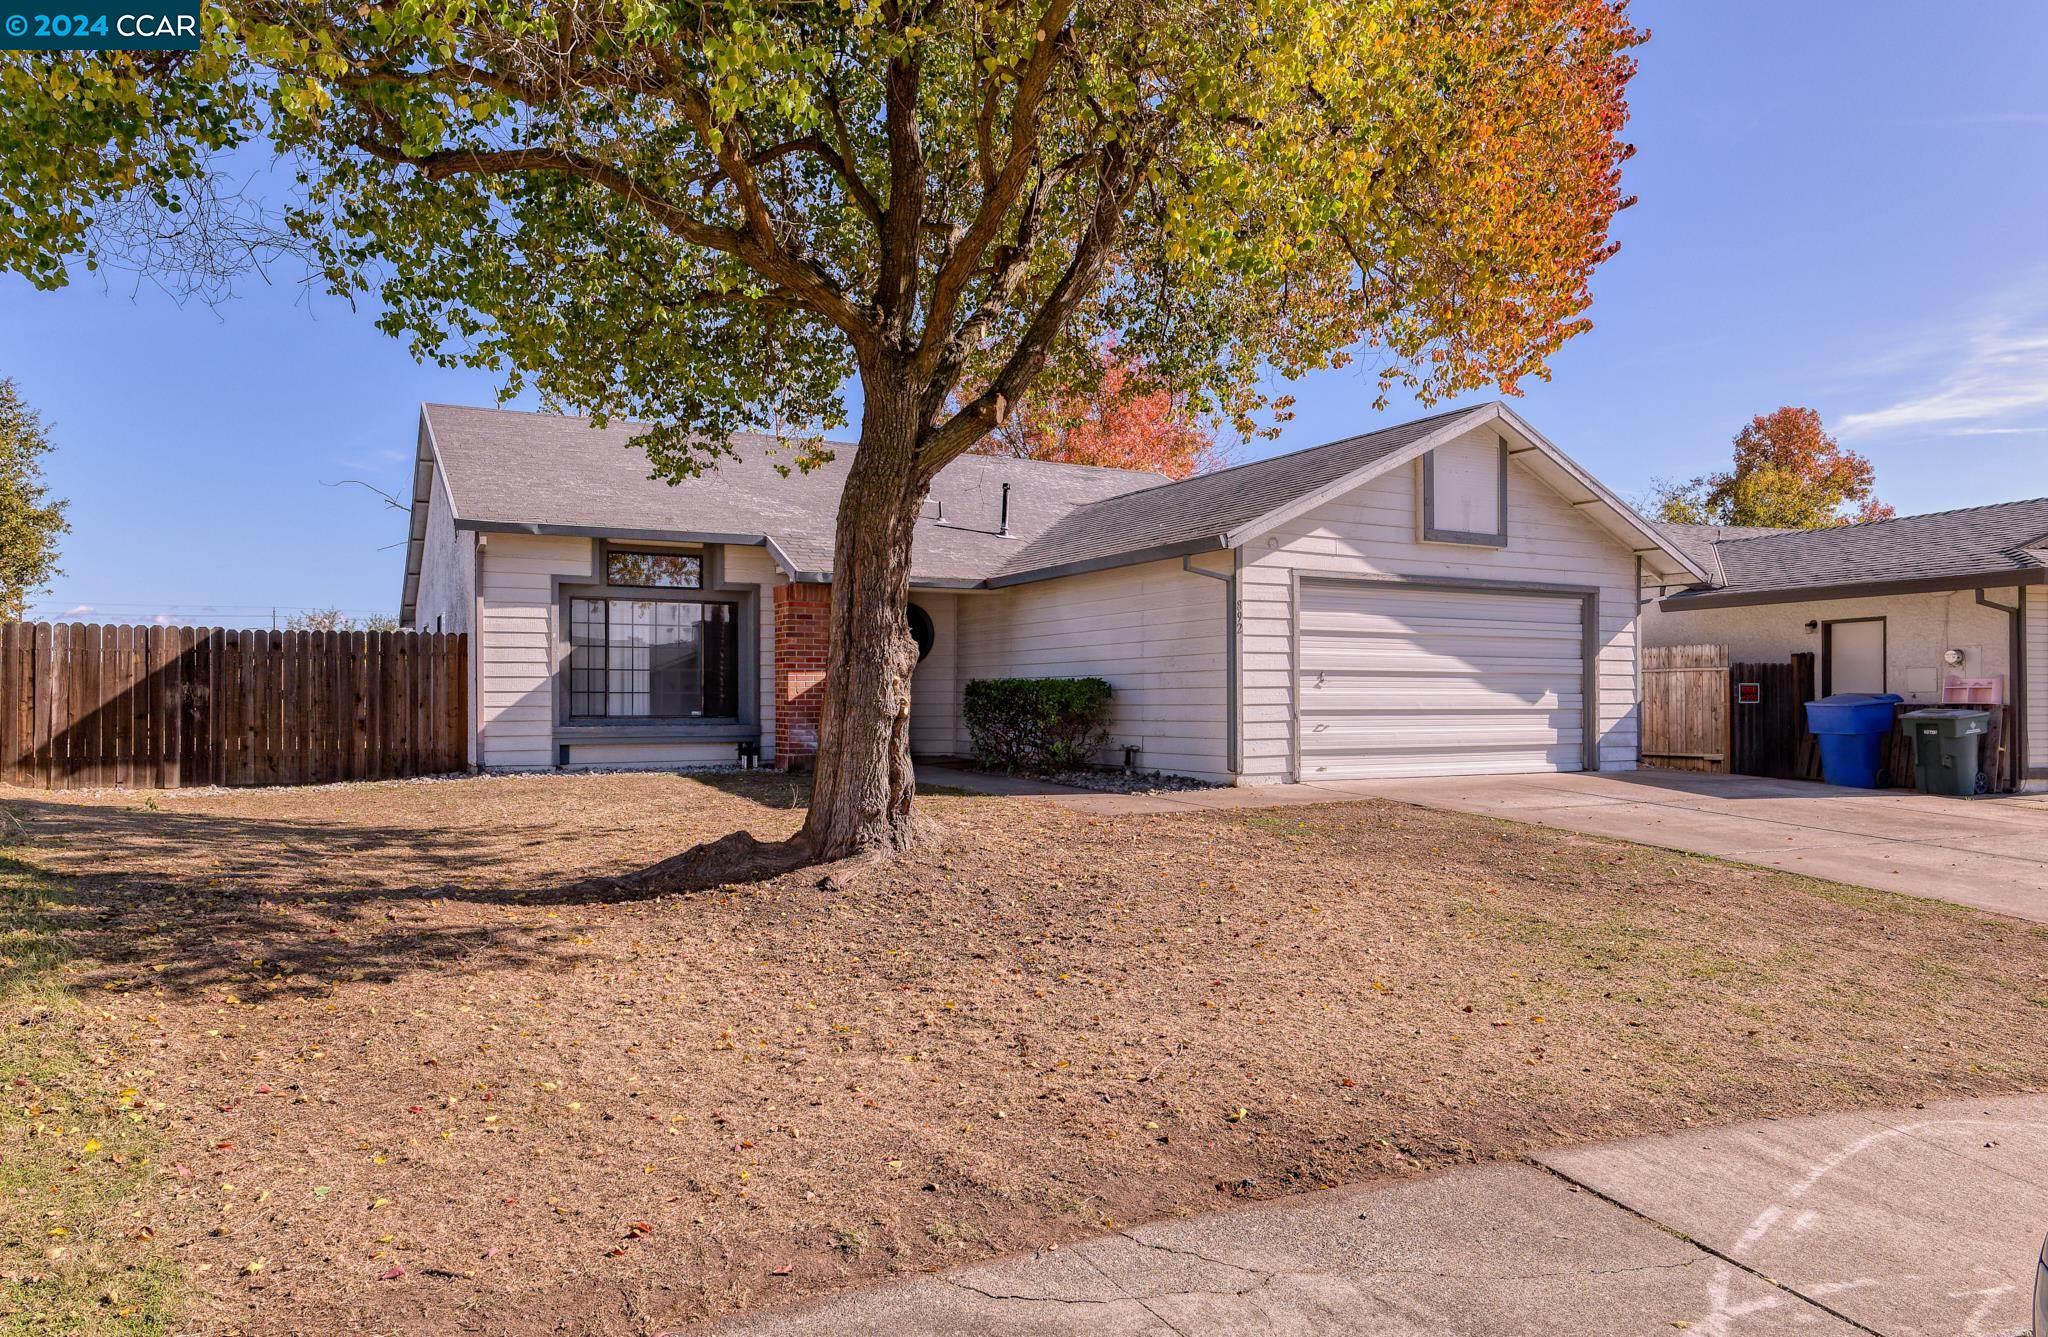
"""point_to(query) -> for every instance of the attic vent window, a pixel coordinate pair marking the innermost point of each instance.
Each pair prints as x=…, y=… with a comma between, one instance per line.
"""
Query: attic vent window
x=1465, y=493
x=654, y=570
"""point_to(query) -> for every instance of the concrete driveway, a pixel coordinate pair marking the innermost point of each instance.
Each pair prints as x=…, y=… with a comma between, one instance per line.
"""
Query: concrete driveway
x=1911, y=1223
x=1989, y=853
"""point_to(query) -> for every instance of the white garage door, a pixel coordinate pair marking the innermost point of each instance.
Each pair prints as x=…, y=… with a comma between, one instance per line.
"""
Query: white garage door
x=1407, y=681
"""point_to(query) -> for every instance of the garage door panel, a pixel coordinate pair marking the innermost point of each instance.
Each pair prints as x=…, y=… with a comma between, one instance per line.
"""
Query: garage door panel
x=1459, y=695
x=1444, y=761
x=1427, y=732
x=1414, y=681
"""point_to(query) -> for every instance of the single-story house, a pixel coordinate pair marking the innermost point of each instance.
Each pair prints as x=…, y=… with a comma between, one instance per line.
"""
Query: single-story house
x=1911, y=605
x=1448, y=596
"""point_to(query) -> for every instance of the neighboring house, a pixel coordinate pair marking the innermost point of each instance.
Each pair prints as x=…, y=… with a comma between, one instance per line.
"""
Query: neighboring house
x=1891, y=606
x=1448, y=596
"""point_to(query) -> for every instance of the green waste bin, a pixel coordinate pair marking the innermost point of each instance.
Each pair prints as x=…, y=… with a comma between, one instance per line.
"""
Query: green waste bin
x=1945, y=745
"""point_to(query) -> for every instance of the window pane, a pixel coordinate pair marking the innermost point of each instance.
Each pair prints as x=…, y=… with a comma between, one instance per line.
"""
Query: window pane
x=652, y=658
x=655, y=570
x=676, y=668
x=587, y=645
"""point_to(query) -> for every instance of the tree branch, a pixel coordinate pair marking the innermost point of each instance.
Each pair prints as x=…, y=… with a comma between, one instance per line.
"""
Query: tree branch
x=1117, y=178
x=1000, y=196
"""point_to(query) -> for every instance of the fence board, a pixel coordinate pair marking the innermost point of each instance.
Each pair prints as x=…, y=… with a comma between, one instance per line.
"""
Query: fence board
x=1685, y=707
x=83, y=705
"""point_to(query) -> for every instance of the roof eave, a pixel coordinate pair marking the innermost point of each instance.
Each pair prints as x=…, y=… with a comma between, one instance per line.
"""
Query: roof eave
x=426, y=463
x=1453, y=427
x=1135, y=557
x=1630, y=518
x=1862, y=589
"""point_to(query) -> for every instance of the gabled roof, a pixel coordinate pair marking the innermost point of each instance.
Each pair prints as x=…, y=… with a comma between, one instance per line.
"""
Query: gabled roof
x=1204, y=510
x=538, y=473
x=1974, y=547
x=545, y=474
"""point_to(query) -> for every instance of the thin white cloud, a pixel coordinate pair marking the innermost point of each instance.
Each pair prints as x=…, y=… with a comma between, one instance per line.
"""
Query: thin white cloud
x=1995, y=368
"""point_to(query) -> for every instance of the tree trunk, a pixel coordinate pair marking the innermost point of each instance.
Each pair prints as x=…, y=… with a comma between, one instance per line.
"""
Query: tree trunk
x=861, y=791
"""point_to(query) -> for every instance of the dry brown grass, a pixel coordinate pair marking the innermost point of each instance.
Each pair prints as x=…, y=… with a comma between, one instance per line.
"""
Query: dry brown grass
x=404, y=1053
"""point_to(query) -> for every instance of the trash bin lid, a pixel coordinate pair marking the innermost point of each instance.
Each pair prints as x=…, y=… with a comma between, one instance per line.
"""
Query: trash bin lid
x=1948, y=713
x=1859, y=699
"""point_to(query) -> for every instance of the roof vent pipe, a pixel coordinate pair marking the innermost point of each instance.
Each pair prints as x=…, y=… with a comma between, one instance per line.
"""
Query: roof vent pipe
x=1003, y=516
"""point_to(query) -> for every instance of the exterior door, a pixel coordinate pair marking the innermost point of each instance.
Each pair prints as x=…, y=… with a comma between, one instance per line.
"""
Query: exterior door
x=1398, y=680
x=1852, y=652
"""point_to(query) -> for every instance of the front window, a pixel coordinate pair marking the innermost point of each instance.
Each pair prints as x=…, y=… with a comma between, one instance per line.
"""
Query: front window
x=653, y=658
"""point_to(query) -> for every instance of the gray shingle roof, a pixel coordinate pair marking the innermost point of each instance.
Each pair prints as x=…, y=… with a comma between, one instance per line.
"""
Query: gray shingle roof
x=544, y=472
x=1980, y=541
x=1202, y=509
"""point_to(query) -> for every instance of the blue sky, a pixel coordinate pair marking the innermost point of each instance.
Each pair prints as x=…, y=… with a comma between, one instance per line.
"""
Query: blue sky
x=1842, y=205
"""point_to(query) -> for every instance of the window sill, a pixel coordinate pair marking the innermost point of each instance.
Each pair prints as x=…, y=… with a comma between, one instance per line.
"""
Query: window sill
x=631, y=731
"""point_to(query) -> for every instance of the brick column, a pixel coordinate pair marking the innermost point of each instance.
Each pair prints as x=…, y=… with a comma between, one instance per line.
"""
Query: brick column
x=803, y=615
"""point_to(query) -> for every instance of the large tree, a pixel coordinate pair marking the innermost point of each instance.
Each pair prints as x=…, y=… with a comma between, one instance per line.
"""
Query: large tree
x=706, y=216
x=1788, y=473
x=30, y=521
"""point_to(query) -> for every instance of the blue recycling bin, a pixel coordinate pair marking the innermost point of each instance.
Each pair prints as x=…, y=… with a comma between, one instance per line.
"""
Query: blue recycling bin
x=1851, y=728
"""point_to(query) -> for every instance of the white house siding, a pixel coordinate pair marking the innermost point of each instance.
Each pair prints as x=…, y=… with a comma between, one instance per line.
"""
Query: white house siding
x=1154, y=631
x=2037, y=677
x=935, y=687
x=1372, y=531
x=753, y=566
x=516, y=657
x=515, y=648
x=446, y=597
x=1919, y=630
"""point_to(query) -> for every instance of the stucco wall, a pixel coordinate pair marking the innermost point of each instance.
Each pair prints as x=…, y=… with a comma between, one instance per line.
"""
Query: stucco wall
x=1373, y=531
x=2037, y=677
x=1919, y=628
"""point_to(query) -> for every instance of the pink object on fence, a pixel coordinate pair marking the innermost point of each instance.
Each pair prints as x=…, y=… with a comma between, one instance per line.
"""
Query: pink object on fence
x=1973, y=691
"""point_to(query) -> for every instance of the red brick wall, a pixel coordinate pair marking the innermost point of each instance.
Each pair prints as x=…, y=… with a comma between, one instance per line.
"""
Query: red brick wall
x=802, y=620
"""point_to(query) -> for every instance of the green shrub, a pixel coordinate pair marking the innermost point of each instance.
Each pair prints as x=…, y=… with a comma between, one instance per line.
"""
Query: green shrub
x=1036, y=724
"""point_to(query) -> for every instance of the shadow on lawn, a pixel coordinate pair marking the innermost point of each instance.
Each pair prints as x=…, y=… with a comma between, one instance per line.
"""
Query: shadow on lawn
x=188, y=901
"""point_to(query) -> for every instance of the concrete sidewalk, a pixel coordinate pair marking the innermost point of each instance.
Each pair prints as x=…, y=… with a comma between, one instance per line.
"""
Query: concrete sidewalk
x=1923, y=1221
x=1989, y=853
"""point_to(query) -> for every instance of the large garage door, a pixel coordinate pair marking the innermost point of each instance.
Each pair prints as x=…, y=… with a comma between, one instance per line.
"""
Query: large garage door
x=1398, y=680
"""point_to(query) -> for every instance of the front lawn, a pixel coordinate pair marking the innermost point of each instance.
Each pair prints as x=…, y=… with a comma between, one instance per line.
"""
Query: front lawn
x=410, y=1070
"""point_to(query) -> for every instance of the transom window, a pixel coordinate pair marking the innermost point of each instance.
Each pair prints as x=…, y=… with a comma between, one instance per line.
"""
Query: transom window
x=653, y=658
x=654, y=570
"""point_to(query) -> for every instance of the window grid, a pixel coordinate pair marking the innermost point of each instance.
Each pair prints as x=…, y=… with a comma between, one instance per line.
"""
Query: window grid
x=651, y=659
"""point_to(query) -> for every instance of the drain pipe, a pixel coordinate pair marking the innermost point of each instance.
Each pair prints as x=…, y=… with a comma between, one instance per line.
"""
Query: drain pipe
x=2016, y=678
x=1233, y=708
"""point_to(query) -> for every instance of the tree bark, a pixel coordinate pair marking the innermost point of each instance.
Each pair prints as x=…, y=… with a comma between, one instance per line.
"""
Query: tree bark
x=862, y=787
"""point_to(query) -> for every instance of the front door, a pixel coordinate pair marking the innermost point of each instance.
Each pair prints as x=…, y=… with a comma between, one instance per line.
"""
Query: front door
x=1852, y=656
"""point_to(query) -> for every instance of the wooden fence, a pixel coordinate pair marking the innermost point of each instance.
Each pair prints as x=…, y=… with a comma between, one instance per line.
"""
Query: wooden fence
x=1685, y=707
x=1767, y=721
x=1701, y=713
x=86, y=706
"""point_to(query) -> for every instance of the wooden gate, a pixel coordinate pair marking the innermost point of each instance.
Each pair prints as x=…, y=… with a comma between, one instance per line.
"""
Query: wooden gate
x=1767, y=717
x=169, y=707
x=1685, y=707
